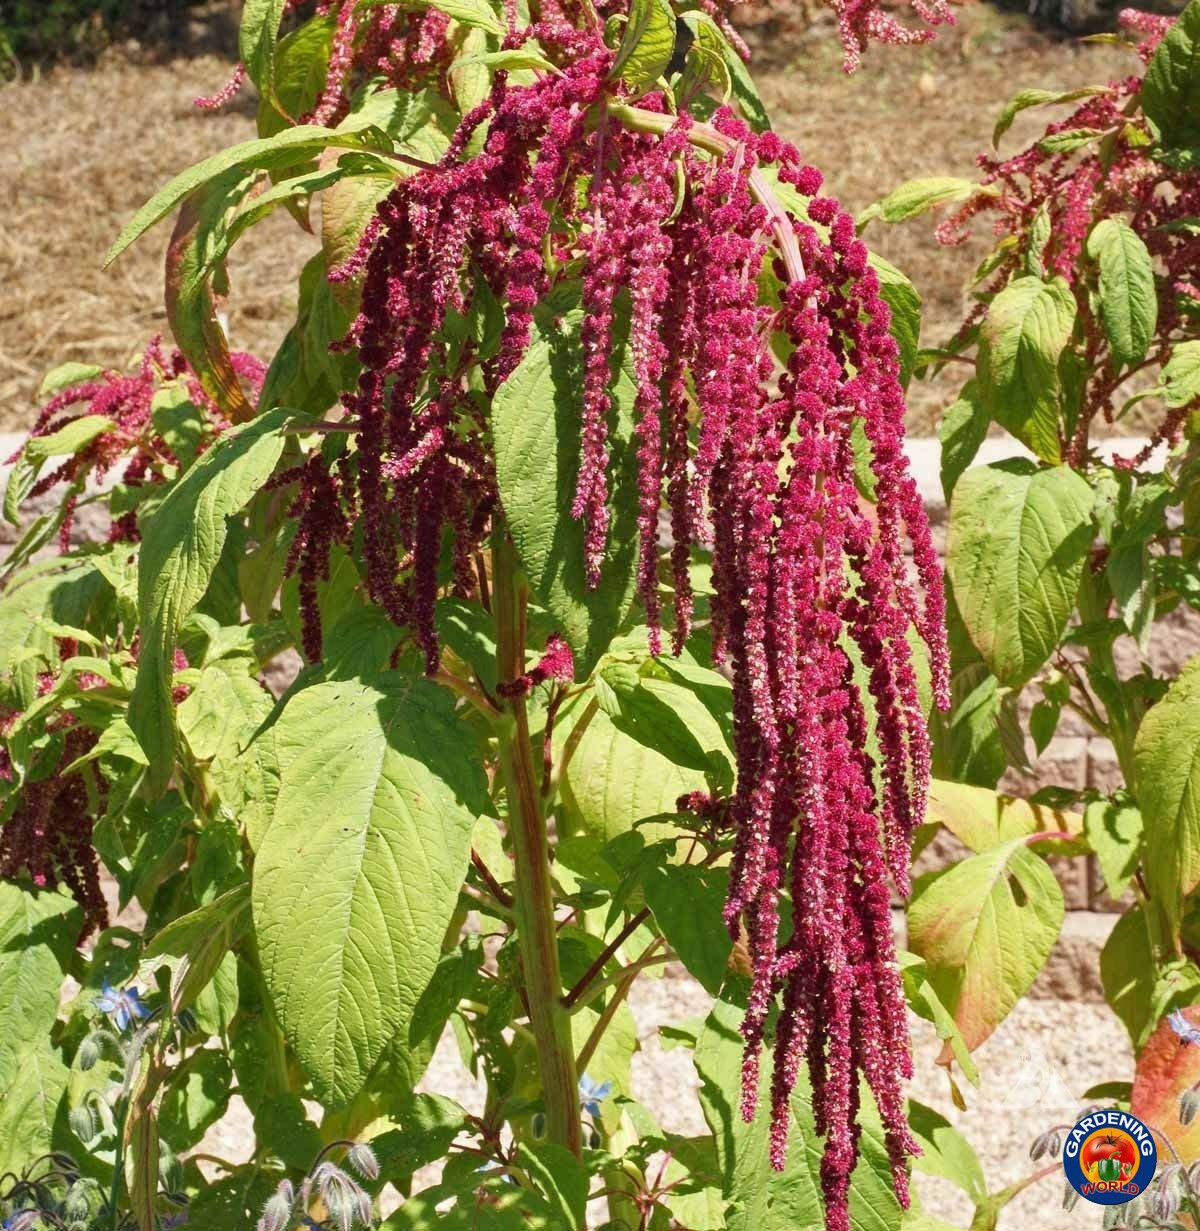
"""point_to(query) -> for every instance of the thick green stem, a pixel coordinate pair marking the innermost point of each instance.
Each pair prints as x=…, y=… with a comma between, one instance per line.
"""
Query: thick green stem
x=537, y=936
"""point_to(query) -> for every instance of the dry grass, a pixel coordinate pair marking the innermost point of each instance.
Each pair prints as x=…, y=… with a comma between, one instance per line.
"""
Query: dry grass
x=80, y=150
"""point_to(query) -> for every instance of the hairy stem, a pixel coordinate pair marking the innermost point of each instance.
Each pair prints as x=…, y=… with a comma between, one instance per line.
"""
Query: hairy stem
x=533, y=897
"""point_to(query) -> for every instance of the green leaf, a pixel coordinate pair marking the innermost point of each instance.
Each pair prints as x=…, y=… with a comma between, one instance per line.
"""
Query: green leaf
x=1139, y=987
x=489, y=1205
x=258, y=36
x=300, y=65
x=275, y=153
x=1130, y=573
x=198, y=943
x=758, y=1198
x=687, y=902
x=982, y=819
x=182, y=545
x=1170, y=94
x=516, y=58
x=37, y=938
x=905, y=303
x=745, y=90
x=962, y=429
x=1036, y=98
x=1167, y=765
x=613, y=781
x=1069, y=140
x=195, y=1099
x=925, y=1002
x=647, y=45
x=471, y=13
x=359, y=873
x=30, y=1106
x=663, y=715
x=1015, y=553
x=67, y=440
x=946, y=1152
x=917, y=196
x=985, y=928
x=1028, y=326
x=536, y=424
x=1128, y=301
x=1113, y=828
x=217, y=721
x=1181, y=375
x=66, y=375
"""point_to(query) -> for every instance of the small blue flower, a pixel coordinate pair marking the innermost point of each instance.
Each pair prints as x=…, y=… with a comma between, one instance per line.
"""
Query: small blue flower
x=1182, y=1027
x=122, y=1006
x=592, y=1095
x=22, y=1220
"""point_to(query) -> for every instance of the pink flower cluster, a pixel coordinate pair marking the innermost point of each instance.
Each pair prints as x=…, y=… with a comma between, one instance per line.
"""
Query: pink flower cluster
x=126, y=399
x=48, y=836
x=1111, y=176
x=678, y=226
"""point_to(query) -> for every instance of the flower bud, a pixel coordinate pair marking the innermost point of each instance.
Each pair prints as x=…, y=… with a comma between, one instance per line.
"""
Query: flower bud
x=1164, y=1200
x=76, y=1207
x=362, y=1158
x=83, y=1123
x=538, y=1125
x=89, y=1053
x=187, y=1021
x=1070, y=1198
x=277, y=1213
x=1189, y=1105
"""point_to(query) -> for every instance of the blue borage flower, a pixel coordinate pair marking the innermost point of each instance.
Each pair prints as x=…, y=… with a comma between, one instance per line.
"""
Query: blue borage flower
x=592, y=1095
x=122, y=1006
x=1182, y=1027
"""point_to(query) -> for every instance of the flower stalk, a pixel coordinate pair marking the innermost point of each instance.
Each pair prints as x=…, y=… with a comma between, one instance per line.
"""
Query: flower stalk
x=537, y=936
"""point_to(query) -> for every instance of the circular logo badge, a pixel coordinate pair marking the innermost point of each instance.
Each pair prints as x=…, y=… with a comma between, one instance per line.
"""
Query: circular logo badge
x=1110, y=1157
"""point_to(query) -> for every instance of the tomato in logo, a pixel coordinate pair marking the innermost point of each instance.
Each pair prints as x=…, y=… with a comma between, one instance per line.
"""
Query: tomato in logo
x=1110, y=1157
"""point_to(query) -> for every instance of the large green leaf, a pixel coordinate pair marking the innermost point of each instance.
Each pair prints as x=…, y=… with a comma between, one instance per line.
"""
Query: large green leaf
x=184, y=538
x=663, y=715
x=1171, y=91
x=37, y=936
x=299, y=67
x=1015, y=553
x=358, y=875
x=962, y=429
x=981, y=819
x=275, y=153
x=1128, y=301
x=536, y=423
x=1028, y=326
x=613, y=781
x=647, y=44
x=1167, y=762
x=687, y=902
x=217, y=721
x=30, y=1106
x=758, y=1198
x=1036, y=98
x=258, y=36
x=985, y=927
x=1181, y=375
x=916, y=196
